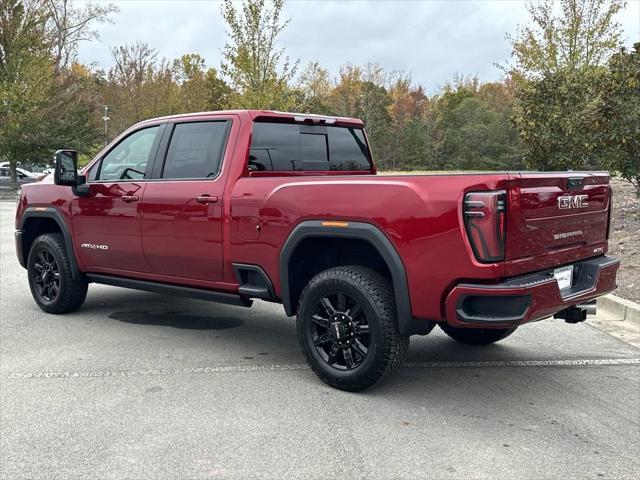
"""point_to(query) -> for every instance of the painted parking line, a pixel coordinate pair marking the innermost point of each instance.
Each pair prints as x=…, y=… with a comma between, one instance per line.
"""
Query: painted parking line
x=301, y=366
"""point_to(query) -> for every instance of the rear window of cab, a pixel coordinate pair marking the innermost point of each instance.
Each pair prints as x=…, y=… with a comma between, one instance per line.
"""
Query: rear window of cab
x=294, y=147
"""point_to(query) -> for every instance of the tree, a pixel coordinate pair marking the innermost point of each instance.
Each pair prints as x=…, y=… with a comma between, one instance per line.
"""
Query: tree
x=409, y=142
x=46, y=101
x=201, y=88
x=559, y=74
x=373, y=110
x=255, y=67
x=555, y=118
x=584, y=34
x=618, y=116
x=25, y=82
x=137, y=87
x=67, y=26
x=346, y=95
x=315, y=86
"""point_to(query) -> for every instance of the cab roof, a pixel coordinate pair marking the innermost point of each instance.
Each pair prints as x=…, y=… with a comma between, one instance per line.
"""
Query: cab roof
x=274, y=115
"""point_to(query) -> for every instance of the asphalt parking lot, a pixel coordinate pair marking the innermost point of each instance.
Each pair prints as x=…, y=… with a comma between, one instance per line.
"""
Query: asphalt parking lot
x=137, y=385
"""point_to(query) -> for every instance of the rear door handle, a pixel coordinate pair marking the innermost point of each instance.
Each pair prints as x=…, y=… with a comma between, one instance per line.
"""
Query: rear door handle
x=207, y=198
x=129, y=198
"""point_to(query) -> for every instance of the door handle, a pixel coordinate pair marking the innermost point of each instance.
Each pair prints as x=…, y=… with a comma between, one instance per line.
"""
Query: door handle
x=129, y=198
x=206, y=198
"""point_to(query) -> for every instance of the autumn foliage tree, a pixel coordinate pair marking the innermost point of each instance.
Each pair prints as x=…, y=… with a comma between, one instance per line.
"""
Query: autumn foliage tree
x=569, y=100
x=258, y=70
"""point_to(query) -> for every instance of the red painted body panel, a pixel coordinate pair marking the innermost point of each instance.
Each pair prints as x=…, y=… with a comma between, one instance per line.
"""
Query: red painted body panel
x=181, y=241
x=418, y=214
x=546, y=297
x=103, y=218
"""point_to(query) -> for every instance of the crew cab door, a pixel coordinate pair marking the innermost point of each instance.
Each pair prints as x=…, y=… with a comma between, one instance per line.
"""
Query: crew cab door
x=182, y=207
x=106, y=222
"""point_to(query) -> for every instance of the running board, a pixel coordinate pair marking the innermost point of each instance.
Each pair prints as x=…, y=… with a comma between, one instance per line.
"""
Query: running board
x=168, y=289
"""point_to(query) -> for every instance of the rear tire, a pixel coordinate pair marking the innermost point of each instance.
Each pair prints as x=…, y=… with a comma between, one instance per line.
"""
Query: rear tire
x=50, y=276
x=477, y=336
x=348, y=328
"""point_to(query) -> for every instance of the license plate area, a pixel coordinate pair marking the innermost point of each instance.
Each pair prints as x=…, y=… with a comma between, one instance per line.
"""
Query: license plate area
x=564, y=277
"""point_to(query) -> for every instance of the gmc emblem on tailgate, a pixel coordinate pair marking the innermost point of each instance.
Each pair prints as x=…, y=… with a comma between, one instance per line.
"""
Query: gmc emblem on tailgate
x=572, y=201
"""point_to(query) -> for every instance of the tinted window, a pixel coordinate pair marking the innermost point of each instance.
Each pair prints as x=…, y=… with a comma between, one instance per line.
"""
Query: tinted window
x=348, y=149
x=285, y=146
x=128, y=159
x=195, y=150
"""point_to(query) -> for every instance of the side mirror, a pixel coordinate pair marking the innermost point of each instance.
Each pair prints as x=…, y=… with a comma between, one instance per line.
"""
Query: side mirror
x=66, y=172
x=66, y=169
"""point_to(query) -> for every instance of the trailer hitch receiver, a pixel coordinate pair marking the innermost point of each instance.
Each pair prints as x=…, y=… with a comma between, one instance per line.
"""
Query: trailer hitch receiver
x=577, y=313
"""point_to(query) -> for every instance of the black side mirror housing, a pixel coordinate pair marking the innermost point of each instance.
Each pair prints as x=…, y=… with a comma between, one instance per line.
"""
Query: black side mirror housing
x=66, y=169
x=66, y=172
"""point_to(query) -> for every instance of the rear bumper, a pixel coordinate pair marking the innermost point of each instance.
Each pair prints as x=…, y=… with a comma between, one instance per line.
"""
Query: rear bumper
x=528, y=298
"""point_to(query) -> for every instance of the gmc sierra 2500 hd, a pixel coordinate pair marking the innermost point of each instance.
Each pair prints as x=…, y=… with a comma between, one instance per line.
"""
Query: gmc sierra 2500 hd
x=236, y=205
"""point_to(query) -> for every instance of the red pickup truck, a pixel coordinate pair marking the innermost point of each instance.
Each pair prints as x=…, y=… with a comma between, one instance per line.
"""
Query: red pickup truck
x=238, y=205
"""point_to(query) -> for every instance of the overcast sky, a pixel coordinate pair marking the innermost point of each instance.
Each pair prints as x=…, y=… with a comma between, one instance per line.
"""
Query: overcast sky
x=431, y=39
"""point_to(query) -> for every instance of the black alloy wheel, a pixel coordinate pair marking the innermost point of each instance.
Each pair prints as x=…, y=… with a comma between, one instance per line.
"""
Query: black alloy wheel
x=340, y=331
x=348, y=327
x=47, y=276
x=51, y=277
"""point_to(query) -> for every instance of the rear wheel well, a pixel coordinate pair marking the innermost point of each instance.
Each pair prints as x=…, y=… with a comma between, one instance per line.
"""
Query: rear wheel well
x=33, y=228
x=317, y=254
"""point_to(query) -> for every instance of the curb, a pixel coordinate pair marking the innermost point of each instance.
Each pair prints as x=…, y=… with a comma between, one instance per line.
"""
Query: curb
x=613, y=308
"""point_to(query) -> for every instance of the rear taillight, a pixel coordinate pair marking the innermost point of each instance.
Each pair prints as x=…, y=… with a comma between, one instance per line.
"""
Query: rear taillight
x=609, y=212
x=484, y=220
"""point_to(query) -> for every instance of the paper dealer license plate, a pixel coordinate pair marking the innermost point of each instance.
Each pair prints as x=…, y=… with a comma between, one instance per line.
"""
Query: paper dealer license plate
x=563, y=276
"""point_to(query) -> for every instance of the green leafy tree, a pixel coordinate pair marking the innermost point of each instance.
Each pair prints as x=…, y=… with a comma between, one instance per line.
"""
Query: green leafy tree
x=256, y=68
x=555, y=118
x=559, y=74
x=583, y=34
x=200, y=88
x=45, y=103
x=472, y=128
x=618, y=116
x=373, y=110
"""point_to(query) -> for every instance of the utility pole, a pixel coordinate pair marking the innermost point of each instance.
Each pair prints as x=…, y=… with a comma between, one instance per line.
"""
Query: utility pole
x=106, y=119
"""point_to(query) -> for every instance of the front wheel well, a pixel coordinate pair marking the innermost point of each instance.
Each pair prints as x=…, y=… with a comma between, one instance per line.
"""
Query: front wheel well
x=317, y=254
x=33, y=228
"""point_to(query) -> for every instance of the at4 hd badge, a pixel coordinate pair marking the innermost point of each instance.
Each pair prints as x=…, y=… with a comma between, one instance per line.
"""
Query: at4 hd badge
x=94, y=246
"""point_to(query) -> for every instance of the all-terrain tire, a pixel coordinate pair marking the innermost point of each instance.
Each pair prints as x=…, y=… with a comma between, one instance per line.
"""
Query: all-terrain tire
x=69, y=295
x=477, y=336
x=386, y=348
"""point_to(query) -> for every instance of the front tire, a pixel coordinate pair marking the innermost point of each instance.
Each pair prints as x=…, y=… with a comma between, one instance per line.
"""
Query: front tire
x=477, y=336
x=348, y=328
x=50, y=276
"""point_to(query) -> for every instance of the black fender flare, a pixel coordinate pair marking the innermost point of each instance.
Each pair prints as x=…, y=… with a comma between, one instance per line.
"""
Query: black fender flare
x=361, y=231
x=55, y=215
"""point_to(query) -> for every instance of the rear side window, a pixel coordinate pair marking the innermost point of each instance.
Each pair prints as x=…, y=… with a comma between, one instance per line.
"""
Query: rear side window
x=287, y=147
x=195, y=150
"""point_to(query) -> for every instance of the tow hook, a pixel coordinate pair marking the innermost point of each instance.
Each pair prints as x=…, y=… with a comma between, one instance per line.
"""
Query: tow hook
x=577, y=313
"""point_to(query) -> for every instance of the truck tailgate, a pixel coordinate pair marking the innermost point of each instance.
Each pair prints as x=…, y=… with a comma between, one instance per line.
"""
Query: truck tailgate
x=556, y=218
